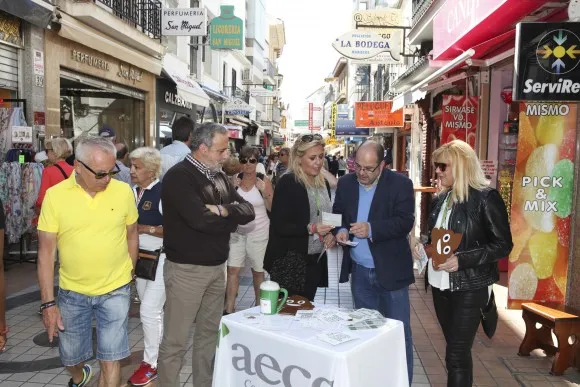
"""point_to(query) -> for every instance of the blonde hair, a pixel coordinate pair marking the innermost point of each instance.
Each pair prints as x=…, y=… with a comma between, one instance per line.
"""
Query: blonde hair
x=465, y=168
x=298, y=150
x=61, y=147
x=150, y=157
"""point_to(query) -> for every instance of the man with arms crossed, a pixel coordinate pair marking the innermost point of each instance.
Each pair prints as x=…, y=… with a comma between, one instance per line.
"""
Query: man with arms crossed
x=92, y=220
x=201, y=208
x=377, y=207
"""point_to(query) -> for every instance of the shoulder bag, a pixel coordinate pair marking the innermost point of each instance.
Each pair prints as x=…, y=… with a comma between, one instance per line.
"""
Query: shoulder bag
x=489, y=317
x=146, y=267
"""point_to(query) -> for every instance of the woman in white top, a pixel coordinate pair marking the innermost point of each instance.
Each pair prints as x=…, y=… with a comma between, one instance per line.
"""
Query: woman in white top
x=250, y=240
x=145, y=172
x=460, y=285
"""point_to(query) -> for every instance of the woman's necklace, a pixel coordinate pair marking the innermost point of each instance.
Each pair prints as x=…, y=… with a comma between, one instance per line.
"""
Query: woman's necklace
x=246, y=185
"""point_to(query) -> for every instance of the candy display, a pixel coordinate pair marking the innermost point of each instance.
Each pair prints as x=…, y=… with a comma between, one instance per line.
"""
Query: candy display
x=544, y=250
x=542, y=203
x=563, y=190
x=550, y=130
x=523, y=282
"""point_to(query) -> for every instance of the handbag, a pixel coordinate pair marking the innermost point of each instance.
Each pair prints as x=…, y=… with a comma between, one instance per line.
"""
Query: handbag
x=289, y=271
x=147, y=262
x=489, y=316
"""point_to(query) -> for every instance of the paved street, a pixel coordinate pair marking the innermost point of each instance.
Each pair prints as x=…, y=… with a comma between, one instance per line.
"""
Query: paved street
x=29, y=360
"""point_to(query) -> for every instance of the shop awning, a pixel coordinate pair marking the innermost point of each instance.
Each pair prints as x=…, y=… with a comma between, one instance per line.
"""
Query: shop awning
x=215, y=94
x=453, y=33
x=415, y=91
x=76, y=31
x=188, y=89
x=37, y=12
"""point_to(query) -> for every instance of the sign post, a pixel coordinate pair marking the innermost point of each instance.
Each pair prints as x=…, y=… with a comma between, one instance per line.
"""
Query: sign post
x=227, y=30
x=459, y=119
x=183, y=22
x=377, y=114
x=311, y=116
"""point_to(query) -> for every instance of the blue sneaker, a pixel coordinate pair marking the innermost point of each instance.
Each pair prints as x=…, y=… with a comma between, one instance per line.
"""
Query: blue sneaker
x=87, y=375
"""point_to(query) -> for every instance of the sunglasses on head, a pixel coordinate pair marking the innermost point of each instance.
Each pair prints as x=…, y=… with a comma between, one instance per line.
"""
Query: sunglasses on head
x=310, y=137
x=245, y=161
x=101, y=175
x=442, y=166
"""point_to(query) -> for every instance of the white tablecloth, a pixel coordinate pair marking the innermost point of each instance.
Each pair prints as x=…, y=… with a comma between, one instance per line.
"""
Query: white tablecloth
x=280, y=351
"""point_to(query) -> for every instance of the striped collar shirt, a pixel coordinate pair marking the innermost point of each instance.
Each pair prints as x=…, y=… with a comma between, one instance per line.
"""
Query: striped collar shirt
x=202, y=168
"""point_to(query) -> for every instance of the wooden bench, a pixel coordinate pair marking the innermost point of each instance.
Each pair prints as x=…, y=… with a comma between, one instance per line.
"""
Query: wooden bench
x=564, y=321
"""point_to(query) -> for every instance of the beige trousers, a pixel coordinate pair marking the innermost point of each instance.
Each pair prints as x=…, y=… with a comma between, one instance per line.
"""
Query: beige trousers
x=194, y=293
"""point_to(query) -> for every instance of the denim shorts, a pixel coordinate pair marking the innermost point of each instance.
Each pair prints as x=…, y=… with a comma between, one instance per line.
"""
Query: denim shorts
x=111, y=312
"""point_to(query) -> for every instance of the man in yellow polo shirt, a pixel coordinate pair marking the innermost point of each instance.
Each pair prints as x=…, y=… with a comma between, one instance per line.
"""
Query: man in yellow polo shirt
x=92, y=220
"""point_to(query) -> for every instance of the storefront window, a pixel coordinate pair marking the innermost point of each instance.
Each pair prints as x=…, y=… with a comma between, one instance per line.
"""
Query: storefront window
x=85, y=107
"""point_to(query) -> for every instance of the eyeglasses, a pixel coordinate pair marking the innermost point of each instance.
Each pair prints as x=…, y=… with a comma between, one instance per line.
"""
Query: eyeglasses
x=310, y=137
x=101, y=175
x=442, y=166
x=245, y=161
x=359, y=168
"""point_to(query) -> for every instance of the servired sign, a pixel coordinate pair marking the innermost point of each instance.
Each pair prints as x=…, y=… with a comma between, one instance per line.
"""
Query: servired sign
x=459, y=119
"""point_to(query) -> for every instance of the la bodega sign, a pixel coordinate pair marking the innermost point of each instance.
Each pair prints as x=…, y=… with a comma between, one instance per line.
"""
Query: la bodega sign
x=358, y=44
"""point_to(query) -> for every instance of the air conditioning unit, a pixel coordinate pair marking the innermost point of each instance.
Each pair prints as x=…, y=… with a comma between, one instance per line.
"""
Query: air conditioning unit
x=246, y=77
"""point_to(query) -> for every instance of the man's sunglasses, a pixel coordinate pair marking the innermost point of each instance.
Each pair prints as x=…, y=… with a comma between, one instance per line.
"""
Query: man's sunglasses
x=442, y=166
x=245, y=161
x=311, y=137
x=101, y=175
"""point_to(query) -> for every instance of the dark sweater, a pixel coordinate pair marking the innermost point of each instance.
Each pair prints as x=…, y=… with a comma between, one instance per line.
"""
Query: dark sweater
x=192, y=234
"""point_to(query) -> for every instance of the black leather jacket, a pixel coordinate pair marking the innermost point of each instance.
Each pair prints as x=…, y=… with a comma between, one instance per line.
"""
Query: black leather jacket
x=484, y=223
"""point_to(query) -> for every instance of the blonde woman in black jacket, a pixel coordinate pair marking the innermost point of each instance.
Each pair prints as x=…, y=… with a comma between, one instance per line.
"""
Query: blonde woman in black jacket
x=462, y=284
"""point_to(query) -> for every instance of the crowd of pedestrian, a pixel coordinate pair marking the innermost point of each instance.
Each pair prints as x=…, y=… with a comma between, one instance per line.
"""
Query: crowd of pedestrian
x=182, y=222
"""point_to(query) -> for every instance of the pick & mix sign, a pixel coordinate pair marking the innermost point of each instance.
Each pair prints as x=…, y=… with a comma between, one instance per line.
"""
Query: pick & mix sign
x=542, y=202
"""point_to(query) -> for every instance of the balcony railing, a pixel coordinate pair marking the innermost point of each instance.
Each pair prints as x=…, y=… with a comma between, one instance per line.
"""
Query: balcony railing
x=142, y=14
x=270, y=70
x=236, y=92
x=420, y=7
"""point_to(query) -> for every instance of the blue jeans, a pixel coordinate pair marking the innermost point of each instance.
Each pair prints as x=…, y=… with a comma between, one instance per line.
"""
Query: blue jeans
x=368, y=293
x=111, y=312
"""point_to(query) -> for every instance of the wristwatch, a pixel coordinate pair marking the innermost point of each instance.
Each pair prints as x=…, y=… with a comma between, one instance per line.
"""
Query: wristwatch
x=152, y=230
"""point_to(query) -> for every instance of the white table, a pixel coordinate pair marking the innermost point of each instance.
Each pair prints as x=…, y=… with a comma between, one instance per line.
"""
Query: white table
x=281, y=352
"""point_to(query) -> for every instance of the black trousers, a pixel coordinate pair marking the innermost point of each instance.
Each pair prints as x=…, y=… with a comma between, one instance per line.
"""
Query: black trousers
x=459, y=316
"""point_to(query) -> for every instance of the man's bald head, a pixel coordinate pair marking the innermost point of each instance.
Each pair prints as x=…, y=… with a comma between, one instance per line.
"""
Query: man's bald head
x=371, y=146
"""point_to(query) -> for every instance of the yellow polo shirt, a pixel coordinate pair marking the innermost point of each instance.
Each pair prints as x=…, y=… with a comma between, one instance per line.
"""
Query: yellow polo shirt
x=91, y=235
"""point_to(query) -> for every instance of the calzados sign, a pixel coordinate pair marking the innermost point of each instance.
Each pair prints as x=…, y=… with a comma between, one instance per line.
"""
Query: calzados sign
x=547, y=57
x=359, y=44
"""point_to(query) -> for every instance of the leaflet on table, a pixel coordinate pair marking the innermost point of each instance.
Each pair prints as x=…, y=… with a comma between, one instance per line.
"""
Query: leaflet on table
x=331, y=219
x=335, y=338
x=370, y=323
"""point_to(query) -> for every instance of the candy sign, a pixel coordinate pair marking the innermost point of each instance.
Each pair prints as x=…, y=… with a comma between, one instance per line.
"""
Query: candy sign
x=542, y=203
x=459, y=119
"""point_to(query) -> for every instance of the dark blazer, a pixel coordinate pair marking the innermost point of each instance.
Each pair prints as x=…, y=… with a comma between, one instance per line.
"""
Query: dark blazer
x=289, y=219
x=391, y=218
